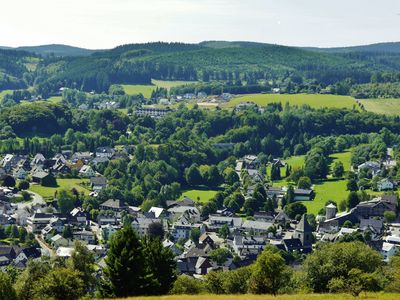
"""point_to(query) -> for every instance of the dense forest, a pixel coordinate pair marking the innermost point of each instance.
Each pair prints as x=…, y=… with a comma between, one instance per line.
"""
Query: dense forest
x=246, y=66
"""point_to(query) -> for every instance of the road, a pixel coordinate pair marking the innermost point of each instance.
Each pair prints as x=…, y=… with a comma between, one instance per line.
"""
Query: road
x=36, y=199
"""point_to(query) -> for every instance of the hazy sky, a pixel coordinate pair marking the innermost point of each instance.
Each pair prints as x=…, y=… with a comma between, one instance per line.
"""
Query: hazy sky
x=107, y=23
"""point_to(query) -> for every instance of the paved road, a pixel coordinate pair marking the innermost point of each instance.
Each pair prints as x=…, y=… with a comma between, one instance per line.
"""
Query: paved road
x=36, y=199
x=44, y=246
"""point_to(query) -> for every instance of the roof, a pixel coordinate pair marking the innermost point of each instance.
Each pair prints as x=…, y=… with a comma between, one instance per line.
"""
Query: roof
x=157, y=211
x=388, y=246
x=303, y=225
x=292, y=244
x=64, y=251
x=282, y=216
x=303, y=192
x=111, y=203
x=258, y=225
x=40, y=174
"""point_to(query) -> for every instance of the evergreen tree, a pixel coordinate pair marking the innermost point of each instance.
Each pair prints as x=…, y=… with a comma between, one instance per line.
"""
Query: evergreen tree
x=125, y=265
x=160, y=267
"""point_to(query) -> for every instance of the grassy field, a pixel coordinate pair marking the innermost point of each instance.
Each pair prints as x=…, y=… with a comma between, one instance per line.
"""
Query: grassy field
x=313, y=100
x=382, y=106
x=67, y=184
x=146, y=90
x=330, y=189
x=170, y=84
x=55, y=99
x=369, y=296
x=203, y=195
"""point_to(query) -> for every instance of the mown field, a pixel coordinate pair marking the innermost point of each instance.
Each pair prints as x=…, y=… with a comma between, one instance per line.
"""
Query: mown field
x=369, y=296
x=382, y=106
x=146, y=90
x=313, y=100
x=200, y=195
x=330, y=189
x=63, y=184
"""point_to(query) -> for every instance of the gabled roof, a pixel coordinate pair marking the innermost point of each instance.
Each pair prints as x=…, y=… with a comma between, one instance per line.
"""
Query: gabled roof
x=303, y=225
x=111, y=203
x=40, y=174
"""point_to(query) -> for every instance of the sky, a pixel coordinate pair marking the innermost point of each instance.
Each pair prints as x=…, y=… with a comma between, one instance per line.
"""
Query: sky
x=101, y=24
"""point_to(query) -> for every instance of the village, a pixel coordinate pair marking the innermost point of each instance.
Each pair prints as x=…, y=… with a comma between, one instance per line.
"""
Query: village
x=223, y=240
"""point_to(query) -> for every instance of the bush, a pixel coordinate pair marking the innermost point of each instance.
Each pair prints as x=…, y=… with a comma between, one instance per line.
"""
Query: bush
x=187, y=285
x=26, y=196
x=23, y=185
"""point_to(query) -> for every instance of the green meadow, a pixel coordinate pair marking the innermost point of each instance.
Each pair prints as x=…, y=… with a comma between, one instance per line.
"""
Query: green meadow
x=313, y=100
x=329, y=189
x=63, y=184
x=146, y=90
x=382, y=106
x=200, y=195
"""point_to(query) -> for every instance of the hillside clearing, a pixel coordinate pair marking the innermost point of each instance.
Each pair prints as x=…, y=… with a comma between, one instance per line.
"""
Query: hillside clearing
x=146, y=90
x=313, y=100
x=382, y=106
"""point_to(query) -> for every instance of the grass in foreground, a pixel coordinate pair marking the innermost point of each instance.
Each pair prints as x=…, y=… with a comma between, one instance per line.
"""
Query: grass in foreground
x=202, y=196
x=371, y=296
x=313, y=100
x=63, y=184
x=382, y=106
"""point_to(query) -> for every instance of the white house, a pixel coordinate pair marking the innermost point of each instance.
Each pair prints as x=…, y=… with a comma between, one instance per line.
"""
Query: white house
x=87, y=171
x=385, y=185
x=389, y=250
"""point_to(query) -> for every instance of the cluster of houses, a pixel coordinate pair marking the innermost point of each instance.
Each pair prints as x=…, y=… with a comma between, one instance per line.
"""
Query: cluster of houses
x=375, y=169
x=41, y=170
x=244, y=238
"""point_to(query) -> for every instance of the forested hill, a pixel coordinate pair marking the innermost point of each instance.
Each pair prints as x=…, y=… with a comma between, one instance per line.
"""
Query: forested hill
x=240, y=63
x=377, y=48
x=54, y=50
x=16, y=68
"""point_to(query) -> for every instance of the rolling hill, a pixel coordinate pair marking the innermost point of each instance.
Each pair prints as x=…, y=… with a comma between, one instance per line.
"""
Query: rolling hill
x=54, y=49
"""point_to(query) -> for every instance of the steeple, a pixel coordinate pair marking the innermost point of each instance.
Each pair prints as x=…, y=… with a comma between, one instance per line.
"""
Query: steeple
x=304, y=231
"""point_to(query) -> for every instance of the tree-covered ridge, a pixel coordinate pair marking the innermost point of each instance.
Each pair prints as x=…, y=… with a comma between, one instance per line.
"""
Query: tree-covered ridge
x=241, y=64
x=13, y=66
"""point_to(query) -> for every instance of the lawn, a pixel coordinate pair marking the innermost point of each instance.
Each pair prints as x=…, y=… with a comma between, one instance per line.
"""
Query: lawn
x=330, y=189
x=313, y=100
x=382, y=106
x=200, y=195
x=67, y=184
x=370, y=296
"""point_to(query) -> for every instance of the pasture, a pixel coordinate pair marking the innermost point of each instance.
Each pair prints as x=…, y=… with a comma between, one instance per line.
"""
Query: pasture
x=382, y=106
x=313, y=100
x=63, y=184
x=146, y=90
